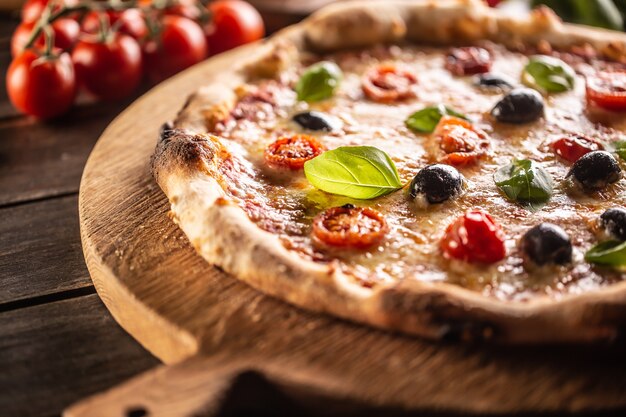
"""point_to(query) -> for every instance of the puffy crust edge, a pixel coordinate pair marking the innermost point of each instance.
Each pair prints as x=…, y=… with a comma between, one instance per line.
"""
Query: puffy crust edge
x=186, y=161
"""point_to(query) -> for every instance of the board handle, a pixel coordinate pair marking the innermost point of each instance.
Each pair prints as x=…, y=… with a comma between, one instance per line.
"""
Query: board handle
x=212, y=386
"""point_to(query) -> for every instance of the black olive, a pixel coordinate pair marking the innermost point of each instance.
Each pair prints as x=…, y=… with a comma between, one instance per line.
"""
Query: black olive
x=547, y=243
x=614, y=222
x=437, y=183
x=493, y=81
x=595, y=170
x=522, y=105
x=315, y=120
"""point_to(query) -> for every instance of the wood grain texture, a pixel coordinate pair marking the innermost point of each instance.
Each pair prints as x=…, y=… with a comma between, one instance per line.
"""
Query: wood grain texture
x=41, y=252
x=39, y=160
x=178, y=306
x=54, y=354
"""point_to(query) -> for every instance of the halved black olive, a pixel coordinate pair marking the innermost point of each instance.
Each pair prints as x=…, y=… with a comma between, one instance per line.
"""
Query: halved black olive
x=595, y=170
x=547, y=243
x=437, y=183
x=614, y=222
x=493, y=81
x=522, y=105
x=315, y=120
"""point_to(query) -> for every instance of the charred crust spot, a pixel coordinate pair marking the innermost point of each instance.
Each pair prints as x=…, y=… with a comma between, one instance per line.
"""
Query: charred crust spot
x=438, y=311
x=467, y=331
x=181, y=149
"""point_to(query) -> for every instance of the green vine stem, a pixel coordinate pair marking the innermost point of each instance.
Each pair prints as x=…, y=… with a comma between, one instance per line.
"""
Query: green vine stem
x=157, y=7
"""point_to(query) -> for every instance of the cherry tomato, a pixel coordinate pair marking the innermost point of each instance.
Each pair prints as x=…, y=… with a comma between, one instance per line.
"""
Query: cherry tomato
x=573, y=147
x=349, y=226
x=109, y=70
x=65, y=30
x=386, y=83
x=292, y=151
x=493, y=3
x=462, y=143
x=468, y=60
x=233, y=23
x=607, y=89
x=42, y=87
x=130, y=22
x=474, y=237
x=186, y=9
x=33, y=9
x=179, y=45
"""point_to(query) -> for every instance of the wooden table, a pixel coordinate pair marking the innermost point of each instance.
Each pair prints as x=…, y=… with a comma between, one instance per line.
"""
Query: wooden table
x=58, y=343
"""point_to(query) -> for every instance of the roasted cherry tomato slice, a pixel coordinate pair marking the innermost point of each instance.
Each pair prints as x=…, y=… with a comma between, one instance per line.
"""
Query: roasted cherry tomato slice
x=607, y=89
x=387, y=83
x=292, y=151
x=350, y=227
x=469, y=60
x=474, y=237
x=573, y=147
x=462, y=143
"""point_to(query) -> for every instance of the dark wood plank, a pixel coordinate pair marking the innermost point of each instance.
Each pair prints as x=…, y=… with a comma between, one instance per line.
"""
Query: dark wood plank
x=39, y=159
x=40, y=251
x=6, y=29
x=54, y=354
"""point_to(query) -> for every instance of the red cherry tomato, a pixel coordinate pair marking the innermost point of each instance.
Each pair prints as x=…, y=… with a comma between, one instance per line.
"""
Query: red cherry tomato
x=32, y=9
x=573, y=147
x=386, y=84
x=130, y=22
x=349, y=226
x=607, y=89
x=233, y=23
x=292, y=151
x=180, y=44
x=468, y=61
x=188, y=10
x=493, y=3
x=42, y=87
x=65, y=30
x=474, y=237
x=462, y=143
x=109, y=70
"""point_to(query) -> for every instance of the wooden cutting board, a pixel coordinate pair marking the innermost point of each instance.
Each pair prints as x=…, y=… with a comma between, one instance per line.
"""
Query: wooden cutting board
x=228, y=348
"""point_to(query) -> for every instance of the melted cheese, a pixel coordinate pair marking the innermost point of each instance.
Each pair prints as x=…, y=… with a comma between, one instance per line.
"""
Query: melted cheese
x=285, y=203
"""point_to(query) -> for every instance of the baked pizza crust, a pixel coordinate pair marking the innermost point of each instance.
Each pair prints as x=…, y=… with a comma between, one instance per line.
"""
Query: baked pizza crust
x=186, y=160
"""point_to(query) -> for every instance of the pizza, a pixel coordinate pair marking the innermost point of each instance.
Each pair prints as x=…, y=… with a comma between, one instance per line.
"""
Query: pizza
x=433, y=167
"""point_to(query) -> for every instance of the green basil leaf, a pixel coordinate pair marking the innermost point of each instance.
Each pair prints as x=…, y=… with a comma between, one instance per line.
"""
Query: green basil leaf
x=524, y=181
x=620, y=149
x=425, y=120
x=319, y=81
x=601, y=13
x=361, y=172
x=610, y=253
x=548, y=74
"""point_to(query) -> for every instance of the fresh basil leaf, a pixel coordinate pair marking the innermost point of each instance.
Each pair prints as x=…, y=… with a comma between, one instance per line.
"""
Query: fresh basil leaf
x=610, y=253
x=319, y=82
x=620, y=149
x=361, y=172
x=548, y=74
x=524, y=181
x=425, y=120
x=601, y=13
